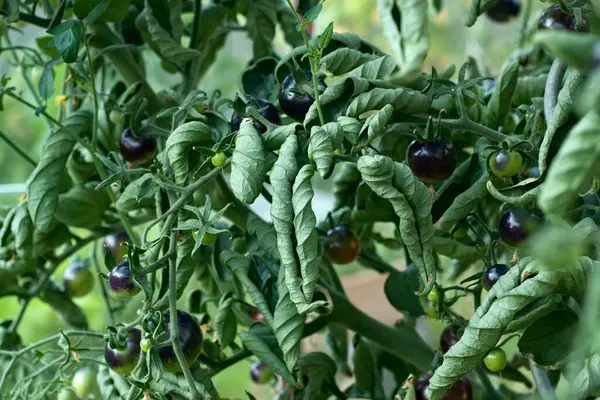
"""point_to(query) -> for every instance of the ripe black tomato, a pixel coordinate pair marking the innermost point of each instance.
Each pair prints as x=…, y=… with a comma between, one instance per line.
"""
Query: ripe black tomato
x=190, y=338
x=123, y=357
x=461, y=390
x=113, y=242
x=492, y=274
x=261, y=373
x=516, y=224
x=342, y=246
x=266, y=109
x=431, y=162
x=503, y=10
x=78, y=280
x=135, y=149
x=449, y=337
x=120, y=282
x=294, y=104
x=506, y=164
x=555, y=18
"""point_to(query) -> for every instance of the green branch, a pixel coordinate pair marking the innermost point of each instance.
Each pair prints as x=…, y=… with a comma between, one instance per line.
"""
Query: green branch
x=17, y=149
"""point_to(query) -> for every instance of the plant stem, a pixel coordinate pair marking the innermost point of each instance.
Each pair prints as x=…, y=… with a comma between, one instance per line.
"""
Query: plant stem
x=313, y=66
x=94, y=96
x=50, y=339
x=173, y=324
x=17, y=149
x=403, y=342
x=542, y=382
x=380, y=266
x=553, y=85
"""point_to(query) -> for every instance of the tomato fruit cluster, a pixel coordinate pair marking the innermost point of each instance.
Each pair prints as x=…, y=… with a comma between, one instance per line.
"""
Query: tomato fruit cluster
x=342, y=246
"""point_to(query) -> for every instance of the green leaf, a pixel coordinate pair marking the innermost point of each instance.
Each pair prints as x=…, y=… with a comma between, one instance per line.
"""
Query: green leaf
x=549, y=340
x=307, y=240
x=97, y=11
x=185, y=264
x=411, y=200
x=262, y=19
x=82, y=207
x=22, y=230
x=287, y=22
x=265, y=233
x=351, y=128
x=400, y=288
x=405, y=101
x=375, y=125
x=130, y=199
x=275, y=137
x=248, y=167
x=574, y=48
x=46, y=85
x=477, y=8
x=46, y=46
x=262, y=350
x=12, y=11
x=529, y=87
x=320, y=150
x=326, y=36
x=113, y=386
x=345, y=184
x=67, y=37
x=337, y=340
x=313, y=13
x=365, y=368
x=408, y=37
x=463, y=204
x=180, y=143
x=225, y=324
x=501, y=100
x=320, y=370
x=456, y=250
x=379, y=68
x=562, y=112
x=575, y=164
x=63, y=305
x=344, y=60
x=43, y=185
x=168, y=48
x=115, y=12
x=240, y=266
x=258, y=79
x=518, y=299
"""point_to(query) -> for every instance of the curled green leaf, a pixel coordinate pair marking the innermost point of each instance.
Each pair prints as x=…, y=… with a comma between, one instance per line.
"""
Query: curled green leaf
x=574, y=48
x=351, y=128
x=248, y=167
x=265, y=234
x=405, y=101
x=22, y=231
x=225, y=323
x=463, y=204
x=477, y=8
x=275, y=137
x=320, y=150
x=501, y=100
x=180, y=143
x=412, y=203
x=345, y=184
x=344, y=60
x=375, y=125
x=377, y=69
x=82, y=207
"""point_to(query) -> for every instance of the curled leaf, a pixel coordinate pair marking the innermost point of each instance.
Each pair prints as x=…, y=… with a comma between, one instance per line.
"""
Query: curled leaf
x=320, y=150
x=375, y=124
x=225, y=323
x=344, y=60
x=405, y=101
x=180, y=143
x=247, y=164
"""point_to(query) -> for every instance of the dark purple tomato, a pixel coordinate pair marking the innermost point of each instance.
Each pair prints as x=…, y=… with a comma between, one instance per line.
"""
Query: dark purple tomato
x=261, y=373
x=120, y=282
x=78, y=280
x=461, y=390
x=190, y=338
x=503, y=10
x=449, y=337
x=123, y=357
x=342, y=246
x=516, y=224
x=135, y=149
x=555, y=18
x=292, y=103
x=492, y=274
x=431, y=162
x=265, y=108
x=113, y=242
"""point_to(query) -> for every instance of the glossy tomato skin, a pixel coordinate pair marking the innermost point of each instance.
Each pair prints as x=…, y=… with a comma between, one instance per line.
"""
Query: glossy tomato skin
x=269, y=111
x=135, y=149
x=124, y=360
x=120, y=282
x=84, y=382
x=261, y=373
x=492, y=274
x=516, y=224
x=342, y=246
x=449, y=337
x=78, y=280
x=505, y=163
x=495, y=360
x=431, y=162
x=66, y=394
x=461, y=390
x=113, y=242
x=555, y=18
x=294, y=104
x=190, y=338
x=504, y=10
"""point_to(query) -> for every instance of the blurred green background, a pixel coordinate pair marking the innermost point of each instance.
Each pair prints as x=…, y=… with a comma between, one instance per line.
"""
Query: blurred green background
x=451, y=42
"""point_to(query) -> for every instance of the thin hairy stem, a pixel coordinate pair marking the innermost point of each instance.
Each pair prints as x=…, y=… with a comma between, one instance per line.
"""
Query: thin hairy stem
x=17, y=149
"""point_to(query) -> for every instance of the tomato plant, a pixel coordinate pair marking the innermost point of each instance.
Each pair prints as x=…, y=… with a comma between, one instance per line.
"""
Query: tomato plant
x=201, y=210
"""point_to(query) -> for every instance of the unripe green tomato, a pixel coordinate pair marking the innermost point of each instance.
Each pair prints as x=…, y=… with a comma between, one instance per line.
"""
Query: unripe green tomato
x=66, y=394
x=506, y=164
x=207, y=239
x=36, y=74
x=218, y=159
x=145, y=345
x=3, y=26
x=83, y=382
x=116, y=116
x=430, y=307
x=434, y=295
x=495, y=361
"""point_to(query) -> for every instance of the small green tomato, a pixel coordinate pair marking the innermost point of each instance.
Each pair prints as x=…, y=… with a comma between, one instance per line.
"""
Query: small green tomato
x=506, y=164
x=116, y=116
x=434, y=295
x=145, y=344
x=66, y=394
x=83, y=382
x=218, y=159
x=36, y=74
x=495, y=361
